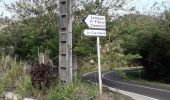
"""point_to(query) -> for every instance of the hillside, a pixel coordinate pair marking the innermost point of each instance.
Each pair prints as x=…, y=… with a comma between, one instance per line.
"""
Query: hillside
x=3, y=23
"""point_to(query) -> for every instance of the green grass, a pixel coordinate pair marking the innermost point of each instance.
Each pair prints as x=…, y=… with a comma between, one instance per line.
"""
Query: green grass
x=81, y=91
x=140, y=78
x=85, y=68
x=25, y=88
x=134, y=75
x=14, y=78
x=76, y=91
x=10, y=72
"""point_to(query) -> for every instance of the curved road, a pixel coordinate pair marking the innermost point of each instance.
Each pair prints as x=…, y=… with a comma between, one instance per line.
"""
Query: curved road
x=110, y=79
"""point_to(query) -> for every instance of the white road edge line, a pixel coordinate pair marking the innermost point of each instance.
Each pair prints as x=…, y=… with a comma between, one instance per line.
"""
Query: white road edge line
x=130, y=94
x=89, y=73
x=133, y=84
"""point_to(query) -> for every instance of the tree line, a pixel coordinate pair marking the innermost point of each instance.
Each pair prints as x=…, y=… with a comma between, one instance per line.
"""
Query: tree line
x=135, y=38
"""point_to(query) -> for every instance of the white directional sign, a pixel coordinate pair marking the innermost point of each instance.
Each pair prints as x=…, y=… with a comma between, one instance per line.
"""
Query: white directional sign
x=98, y=25
x=91, y=32
x=95, y=21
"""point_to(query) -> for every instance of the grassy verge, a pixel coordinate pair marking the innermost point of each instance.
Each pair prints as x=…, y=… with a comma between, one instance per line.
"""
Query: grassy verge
x=15, y=79
x=76, y=91
x=87, y=67
x=81, y=90
x=139, y=77
x=11, y=73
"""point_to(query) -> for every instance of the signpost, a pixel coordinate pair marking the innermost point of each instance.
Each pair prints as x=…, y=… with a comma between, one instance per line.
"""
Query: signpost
x=92, y=32
x=95, y=21
x=98, y=25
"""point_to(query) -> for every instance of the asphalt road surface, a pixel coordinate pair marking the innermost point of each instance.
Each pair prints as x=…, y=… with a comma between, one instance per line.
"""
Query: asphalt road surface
x=110, y=79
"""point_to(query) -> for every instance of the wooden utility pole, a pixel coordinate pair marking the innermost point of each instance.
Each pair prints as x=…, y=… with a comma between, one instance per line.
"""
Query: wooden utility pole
x=65, y=41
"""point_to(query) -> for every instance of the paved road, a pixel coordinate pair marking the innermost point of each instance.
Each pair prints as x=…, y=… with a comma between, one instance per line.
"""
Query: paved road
x=112, y=80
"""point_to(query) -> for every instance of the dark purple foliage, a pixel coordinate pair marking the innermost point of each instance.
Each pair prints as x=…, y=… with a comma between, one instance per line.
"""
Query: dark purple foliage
x=41, y=74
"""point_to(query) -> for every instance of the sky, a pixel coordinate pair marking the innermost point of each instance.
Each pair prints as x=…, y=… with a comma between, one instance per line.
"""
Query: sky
x=147, y=5
x=143, y=6
x=2, y=7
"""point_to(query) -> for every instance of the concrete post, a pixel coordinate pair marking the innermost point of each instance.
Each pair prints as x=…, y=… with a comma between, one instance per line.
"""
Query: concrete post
x=65, y=41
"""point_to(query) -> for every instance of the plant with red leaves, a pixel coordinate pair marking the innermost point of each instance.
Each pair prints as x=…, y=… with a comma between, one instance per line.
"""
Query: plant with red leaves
x=41, y=74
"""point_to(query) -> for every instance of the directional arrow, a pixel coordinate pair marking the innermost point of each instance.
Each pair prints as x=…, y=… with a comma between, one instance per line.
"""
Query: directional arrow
x=95, y=21
x=91, y=32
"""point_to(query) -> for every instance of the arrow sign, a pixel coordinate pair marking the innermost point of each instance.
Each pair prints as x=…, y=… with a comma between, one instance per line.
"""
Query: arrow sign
x=95, y=21
x=91, y=32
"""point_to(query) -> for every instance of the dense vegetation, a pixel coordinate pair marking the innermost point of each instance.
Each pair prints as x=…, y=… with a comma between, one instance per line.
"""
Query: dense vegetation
x=131, y=40
x=33, y=31
x=153, y=44
x=128, y=37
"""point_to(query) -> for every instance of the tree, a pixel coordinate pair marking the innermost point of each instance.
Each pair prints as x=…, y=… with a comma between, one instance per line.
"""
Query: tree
x=34, y=29
x=33, y=16
x=83, y=8
x=152, y=43
x=37, y=26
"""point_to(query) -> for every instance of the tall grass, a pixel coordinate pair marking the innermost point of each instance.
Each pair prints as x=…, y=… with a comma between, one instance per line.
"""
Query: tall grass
x=25, y=88
x=14, y=78
x=10, y=73
x=75, y=91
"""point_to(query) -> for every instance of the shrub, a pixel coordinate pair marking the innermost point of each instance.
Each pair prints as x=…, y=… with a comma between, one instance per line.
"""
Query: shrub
x=41, y=74
x=154, y=49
